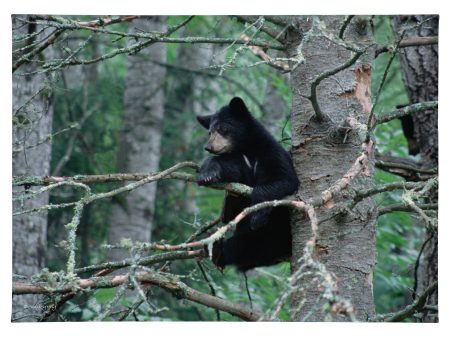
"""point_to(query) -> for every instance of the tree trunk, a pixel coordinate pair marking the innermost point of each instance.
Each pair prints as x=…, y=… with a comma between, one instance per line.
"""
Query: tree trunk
x=345, y=244
x=276, y=107
x=32, y=122
x=132, y=214
x=420, y=74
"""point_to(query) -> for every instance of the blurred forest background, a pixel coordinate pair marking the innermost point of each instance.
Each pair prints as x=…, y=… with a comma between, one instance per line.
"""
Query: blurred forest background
x=135, y=113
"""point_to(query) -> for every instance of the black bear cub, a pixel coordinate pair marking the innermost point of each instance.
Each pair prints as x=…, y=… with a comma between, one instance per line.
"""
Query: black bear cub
x=245, y=152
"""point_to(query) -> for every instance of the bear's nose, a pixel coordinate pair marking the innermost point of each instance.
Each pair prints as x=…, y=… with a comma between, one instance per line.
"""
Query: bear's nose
x=208, y=148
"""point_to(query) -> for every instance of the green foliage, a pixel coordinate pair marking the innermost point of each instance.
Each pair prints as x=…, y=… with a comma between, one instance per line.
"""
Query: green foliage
x=102, y=296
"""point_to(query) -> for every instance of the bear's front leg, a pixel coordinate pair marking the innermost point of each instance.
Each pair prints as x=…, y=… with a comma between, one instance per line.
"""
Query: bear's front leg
x=209, y=172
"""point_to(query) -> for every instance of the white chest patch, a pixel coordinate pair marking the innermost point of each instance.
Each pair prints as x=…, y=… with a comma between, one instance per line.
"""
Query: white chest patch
x=249, y=165
x=247, y=161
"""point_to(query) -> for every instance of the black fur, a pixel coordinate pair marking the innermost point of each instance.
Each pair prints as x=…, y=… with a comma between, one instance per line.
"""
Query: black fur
x=256, y=159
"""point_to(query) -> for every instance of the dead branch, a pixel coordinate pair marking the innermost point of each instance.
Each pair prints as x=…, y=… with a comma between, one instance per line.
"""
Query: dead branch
x=371, y=125
x=174, y=286
x=409, y=42
x=413, y=108
x=145, y=261
x=27, y=57
x=59, y=30
x=259, y=52
x=406, y=208
x=63, y=24
x=252, y=19
x=410, y=196
x=28, y=181
x=364, y=193
x=100, y=22
x=404, y=167
x=45, y=138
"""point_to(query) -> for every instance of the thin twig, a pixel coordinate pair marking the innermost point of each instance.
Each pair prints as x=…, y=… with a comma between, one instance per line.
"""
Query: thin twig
x=383, y=80
x=416, y=265
x=413, y=108
x=162, y=257
x=409, y=42
x=211, y=287
x=406, y=208
x=27, y=57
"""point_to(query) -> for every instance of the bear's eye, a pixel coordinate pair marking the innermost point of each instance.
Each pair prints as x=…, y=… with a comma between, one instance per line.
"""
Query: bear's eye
x=222, y=130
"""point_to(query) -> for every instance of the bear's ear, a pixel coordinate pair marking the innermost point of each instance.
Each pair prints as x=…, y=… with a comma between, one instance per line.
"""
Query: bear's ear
x=204, y=120
x=238, y=106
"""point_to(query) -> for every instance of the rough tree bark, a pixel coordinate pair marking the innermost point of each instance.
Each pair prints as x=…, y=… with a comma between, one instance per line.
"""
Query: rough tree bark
x=32, y=115
x=419, y=67
x=139, y=143
x=345, y=244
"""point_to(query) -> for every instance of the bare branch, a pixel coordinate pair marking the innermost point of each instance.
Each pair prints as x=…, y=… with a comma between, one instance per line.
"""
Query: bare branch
x=413, y=108
x=177, y=288
x=252, y=19
x=64, y=24
x=409, y=42
x=259, y=52
x=46, y=138
x=166, y=256
x=59, y=30
x=406, y=208
x=417, y=264
x=236, y=188
x=404, y=167
x=383, y=80
x=409, y=196
x=364, y=193
x=100, y=22
x=151, y=39
x=27, y=57
x=211, y=287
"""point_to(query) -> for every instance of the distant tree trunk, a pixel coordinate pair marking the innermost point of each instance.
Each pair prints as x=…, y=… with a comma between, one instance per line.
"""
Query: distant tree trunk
x=32, y=122
x=345, y=244
x=132, y=214
x=84, y=79
x=189, y=93
x=420, y=74
x=276, y=107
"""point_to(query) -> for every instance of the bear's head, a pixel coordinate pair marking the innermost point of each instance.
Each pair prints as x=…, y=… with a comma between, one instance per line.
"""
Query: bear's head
x=228, y=128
